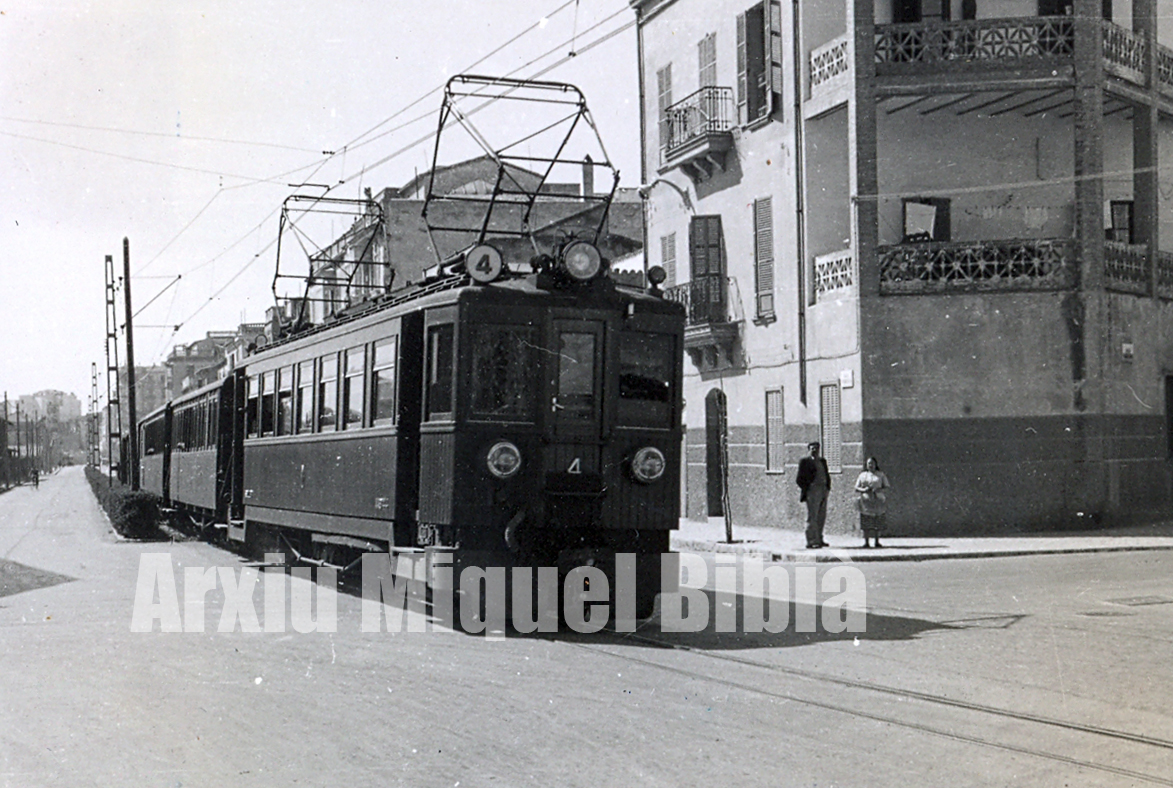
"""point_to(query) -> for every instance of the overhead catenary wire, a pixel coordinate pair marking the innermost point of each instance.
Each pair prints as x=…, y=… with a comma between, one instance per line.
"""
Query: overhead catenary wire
x=367, y=168
x=357, y=141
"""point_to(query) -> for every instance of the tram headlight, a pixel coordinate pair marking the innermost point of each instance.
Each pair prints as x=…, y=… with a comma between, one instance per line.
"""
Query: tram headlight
x=648, y=464
x=503, y=459
x=582, y=261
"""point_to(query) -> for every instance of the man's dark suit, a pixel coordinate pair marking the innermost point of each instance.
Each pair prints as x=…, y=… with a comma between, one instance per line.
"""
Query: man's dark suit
x=814, y=486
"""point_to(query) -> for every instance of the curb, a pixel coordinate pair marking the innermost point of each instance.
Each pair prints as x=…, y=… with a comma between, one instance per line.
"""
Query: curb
x=889, y=553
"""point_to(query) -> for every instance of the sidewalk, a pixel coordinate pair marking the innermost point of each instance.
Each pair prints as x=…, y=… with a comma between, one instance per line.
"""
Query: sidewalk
x=776, y=544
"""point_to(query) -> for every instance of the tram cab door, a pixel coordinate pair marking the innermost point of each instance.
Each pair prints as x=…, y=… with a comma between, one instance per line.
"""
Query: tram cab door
x=575, y=415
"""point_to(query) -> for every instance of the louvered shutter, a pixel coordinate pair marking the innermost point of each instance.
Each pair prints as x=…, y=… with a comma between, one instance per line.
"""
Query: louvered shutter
x=763, y=220
x=773, y=58
x=707, y=60
x=668, y=258
x=664, y=97
x=742, y=72
x=707, y=268
x=775, y=427
x=832, y=434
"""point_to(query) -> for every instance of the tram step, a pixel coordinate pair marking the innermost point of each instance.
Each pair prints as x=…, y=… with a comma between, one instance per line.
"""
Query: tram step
x=236, y=530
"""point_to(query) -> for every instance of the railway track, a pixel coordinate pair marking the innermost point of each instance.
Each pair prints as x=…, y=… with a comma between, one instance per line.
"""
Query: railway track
x=968, y=722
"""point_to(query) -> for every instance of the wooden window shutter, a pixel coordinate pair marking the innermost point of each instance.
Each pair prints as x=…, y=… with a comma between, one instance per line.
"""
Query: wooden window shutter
x=742, y=72
x=773, y=57
x=775, y=432
x=831, y=426
x=704, y=239
x=757, y=75
x=668, y=257
x=664, y=98
x=763, y=220
x=707, y=60
x=706, y=255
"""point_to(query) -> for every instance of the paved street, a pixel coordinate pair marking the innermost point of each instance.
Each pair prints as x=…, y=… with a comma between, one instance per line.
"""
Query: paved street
x=1029, y=670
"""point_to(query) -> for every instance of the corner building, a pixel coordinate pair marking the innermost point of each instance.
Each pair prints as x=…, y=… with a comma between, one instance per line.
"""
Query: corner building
x=934, y=231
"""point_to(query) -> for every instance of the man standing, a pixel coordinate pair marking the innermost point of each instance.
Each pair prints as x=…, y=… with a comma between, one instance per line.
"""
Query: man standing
x=815, y=482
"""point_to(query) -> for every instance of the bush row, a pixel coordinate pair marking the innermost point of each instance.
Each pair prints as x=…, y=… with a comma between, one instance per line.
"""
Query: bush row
x=134, y=514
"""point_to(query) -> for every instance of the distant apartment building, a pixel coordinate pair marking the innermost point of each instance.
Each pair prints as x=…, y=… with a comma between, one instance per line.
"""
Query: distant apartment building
x=389, y=245
x=933, y=231
x=51, y=405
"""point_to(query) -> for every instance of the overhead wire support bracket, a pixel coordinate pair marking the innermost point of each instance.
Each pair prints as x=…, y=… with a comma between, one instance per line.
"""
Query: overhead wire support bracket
x=507, y=204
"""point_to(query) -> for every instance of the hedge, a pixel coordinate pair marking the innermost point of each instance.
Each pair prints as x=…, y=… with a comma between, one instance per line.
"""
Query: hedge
x=134, y=514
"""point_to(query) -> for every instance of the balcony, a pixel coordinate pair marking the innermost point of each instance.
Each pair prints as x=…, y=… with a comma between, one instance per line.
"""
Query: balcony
x=1164, y=261
x=1010, y=43
x=943, y=267
x=993, y=41
x=696, y=133
x=713, y=306
x=1126, y=267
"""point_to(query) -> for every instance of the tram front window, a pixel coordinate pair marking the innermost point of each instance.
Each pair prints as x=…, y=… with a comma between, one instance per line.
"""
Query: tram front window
x=576, y=376
x=645, y=379
x=503, y=368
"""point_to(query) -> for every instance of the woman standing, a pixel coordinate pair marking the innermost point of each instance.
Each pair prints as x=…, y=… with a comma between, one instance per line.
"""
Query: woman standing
x=872, y=504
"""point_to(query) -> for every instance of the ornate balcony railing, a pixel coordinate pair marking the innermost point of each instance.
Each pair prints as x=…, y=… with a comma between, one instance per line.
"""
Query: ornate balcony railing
x=706, y=299
x=713, y=304
x=1018, y=264
x=835, y=271
x=828, y=62
x=1164, y=261
x=1126, y=267
x=1165, y=69
x=989, y=40
x=707, y=111
x=1124, y=52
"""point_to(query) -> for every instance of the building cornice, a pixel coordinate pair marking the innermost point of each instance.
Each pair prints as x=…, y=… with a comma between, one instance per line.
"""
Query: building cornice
x=646, y=10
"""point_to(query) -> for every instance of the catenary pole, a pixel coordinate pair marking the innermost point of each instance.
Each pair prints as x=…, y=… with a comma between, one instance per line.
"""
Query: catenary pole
x=130, y=371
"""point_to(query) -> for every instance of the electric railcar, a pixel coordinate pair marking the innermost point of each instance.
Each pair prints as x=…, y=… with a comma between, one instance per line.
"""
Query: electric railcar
x=533, y=420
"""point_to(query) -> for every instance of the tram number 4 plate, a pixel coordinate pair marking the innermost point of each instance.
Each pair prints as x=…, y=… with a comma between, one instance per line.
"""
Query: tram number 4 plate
x=484, y=263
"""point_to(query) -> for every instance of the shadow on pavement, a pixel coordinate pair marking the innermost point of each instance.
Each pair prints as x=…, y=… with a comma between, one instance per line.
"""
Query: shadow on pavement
x=17, y=578
x=804, y=627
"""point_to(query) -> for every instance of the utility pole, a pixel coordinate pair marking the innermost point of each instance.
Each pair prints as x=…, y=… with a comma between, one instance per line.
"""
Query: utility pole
x=18, y=430
x=130, y=371
x=7, y=479
x=95, y=439
x=113, y=400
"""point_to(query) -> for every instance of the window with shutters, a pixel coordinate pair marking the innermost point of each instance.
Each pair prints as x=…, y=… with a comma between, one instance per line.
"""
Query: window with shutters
x=775, y=428
x=668, y=257
x=707, y=60
x=664, y=99
x=759, y=62
x=707, y=270
x=830, y=427
x=763, y=222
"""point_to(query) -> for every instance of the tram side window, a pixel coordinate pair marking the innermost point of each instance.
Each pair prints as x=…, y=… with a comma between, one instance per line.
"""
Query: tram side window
x=181, y=430
x=328, y=392
x=439, y=371
x=285, y=401
x=268, y=402
x=383, y=382
x=503, y=368
x=305, y=397
x=352, y=387
x=213, y=419
x=645, y=379
x=252, y=413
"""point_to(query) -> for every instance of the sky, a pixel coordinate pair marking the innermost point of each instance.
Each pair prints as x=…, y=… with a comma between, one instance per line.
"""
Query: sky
x=182, y=126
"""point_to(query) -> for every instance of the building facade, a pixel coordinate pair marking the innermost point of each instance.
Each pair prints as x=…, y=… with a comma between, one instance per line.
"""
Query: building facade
x=932, y=231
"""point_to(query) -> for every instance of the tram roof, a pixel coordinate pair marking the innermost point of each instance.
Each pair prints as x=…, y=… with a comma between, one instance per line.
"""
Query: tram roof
x=452, y=288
